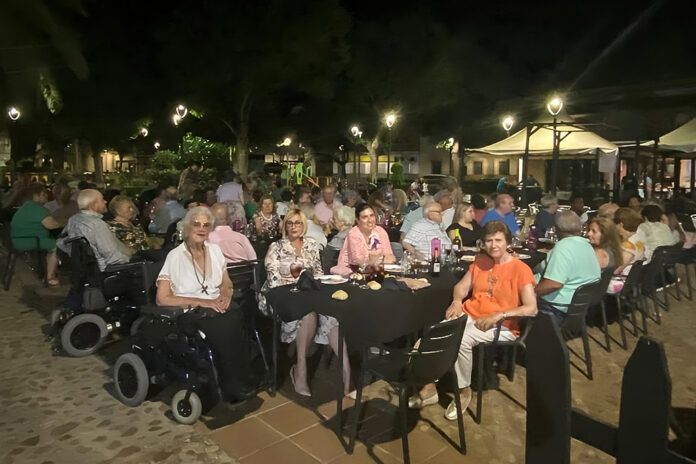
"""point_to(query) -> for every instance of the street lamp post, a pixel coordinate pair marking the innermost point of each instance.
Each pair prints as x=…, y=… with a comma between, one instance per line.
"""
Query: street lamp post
x=554, y=106
x=389, y=120
x=357, y=136
x=13, y=113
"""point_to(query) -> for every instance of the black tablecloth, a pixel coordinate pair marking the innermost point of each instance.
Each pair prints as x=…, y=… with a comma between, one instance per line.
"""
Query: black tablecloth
x=369, y=316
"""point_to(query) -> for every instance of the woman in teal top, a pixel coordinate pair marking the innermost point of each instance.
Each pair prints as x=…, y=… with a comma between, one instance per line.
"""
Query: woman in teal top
x=33, y=220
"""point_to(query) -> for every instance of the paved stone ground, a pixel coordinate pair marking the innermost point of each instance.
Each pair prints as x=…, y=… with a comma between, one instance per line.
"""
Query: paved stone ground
x=60, y=410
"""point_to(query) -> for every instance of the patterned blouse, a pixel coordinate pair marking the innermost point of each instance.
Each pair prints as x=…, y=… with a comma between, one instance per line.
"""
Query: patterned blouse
x=131, y=235
x=270, y=227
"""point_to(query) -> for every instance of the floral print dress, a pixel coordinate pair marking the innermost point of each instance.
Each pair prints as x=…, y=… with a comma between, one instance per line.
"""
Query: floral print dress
x=130, y=235
x=280, y=256
x=270, y=227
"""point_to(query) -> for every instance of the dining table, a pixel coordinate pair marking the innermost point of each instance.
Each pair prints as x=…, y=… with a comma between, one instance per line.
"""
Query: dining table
x=367, y=317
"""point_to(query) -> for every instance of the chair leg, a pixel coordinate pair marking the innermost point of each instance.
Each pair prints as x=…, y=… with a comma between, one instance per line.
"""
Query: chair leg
x=358, y=407
x=624, y=343
x=10, y=270
x=689, y=289
x=460, y=413
x=479, y=382
x=403, y=409
x=276, y=334
x=644, y=312
x=607, y=339
x=513, y=363
x=677, y=294
x=586, y=349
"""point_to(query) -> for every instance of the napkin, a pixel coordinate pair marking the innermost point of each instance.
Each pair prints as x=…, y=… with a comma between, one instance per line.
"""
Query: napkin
x=307, y=281
x=393, y=284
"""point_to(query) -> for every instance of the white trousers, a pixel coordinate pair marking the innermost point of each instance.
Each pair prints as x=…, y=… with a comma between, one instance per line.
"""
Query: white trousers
x=472, y=337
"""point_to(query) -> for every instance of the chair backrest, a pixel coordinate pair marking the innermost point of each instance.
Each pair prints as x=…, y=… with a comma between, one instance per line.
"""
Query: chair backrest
x=329, y=258
x=84, y=266
x=668, y=255
x=604, y=281
x=687, y=222
x=634, y=275
x=242, y=275
x=584, y=297
x=437, y=351
x=260, y=275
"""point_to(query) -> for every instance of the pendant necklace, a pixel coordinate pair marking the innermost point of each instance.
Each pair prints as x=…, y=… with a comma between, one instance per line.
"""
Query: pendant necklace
x=201, y=282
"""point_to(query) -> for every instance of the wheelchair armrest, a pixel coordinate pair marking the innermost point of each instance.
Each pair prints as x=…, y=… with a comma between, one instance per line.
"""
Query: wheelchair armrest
x=499, y=326
x=114, y=268
x=168, y=312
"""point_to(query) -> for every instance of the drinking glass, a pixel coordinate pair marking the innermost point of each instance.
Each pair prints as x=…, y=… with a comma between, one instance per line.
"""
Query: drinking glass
x=295, y=270
x=354, y=269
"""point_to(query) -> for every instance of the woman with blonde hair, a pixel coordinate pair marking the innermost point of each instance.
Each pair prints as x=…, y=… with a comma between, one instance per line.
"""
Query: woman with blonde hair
x=606, y=241
x=296, y=250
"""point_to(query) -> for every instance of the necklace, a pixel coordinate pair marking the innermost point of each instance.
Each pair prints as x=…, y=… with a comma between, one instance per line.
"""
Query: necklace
x=201, y=282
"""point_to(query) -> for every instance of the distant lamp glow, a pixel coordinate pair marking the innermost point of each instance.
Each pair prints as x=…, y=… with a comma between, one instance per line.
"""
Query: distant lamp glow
x=450, y=141
x=354, y=130
x=176, y=119
x=555, y=105
x=287, y=141
x=390, y=120
x=508, y=121
x=14, y=113
x=156, y=145
x=182, y=111
x=144, y=131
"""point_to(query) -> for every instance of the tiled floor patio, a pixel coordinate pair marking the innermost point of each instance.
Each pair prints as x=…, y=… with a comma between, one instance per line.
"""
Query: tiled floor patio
x=60, y=410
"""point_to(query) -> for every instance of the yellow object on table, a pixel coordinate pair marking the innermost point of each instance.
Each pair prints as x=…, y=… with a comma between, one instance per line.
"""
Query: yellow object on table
x=339, y=295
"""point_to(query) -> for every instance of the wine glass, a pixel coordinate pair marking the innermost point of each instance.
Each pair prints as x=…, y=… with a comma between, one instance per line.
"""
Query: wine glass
x=354, y=269
x=295, y=270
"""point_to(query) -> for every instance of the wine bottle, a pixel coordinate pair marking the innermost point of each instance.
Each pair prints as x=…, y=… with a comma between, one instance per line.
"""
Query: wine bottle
x=457, y=241
x=435, y=260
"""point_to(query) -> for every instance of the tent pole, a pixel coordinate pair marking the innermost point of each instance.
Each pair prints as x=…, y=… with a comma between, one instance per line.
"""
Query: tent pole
x=525, y=160
x=654, y=167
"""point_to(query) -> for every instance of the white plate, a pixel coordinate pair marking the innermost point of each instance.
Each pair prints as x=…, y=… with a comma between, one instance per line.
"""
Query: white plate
x=331, y=279
x=393, y=268
x=546, y=240
x=523, y=256
x=468, y=258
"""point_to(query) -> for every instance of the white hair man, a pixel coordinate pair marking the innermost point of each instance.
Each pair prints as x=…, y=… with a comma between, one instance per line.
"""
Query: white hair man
x=88, y=224
x=325, y=207
x=503, y=211
x=234, y=246
x=444, y=198
x=419, y=237
x=570, y=264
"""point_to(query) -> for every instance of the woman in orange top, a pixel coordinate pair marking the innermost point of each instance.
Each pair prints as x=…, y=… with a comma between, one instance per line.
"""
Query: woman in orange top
x=502, y=287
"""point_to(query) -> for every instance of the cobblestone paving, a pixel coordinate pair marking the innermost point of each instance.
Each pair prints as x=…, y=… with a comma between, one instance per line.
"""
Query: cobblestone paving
x=57, y=409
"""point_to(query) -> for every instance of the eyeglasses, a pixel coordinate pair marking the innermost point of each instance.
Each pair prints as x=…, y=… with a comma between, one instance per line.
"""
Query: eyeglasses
x=205, y=225
x=293, y=223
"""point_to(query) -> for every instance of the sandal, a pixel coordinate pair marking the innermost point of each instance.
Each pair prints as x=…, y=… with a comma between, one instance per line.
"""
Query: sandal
x=418, y=402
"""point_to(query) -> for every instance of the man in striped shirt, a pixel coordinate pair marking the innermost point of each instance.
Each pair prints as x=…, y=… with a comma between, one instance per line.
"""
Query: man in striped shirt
x=421, y=233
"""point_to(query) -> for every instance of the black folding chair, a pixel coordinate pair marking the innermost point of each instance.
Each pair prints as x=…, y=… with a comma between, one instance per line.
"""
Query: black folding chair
x=513, y=345
x=12, y=253
x=630, y=298
x=329, y=258
x=405, y=371
x=604, y=281
x=575, y=321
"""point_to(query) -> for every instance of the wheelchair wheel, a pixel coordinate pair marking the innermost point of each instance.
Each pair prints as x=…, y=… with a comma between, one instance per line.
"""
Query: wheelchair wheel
x=186, y=412
x=131, y=380
x=83, y=335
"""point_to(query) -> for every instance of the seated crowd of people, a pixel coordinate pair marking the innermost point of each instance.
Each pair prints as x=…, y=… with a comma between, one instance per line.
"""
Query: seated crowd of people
x=297, y=226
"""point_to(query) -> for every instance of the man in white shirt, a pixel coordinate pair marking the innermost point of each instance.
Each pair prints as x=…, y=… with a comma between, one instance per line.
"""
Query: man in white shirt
x=327, y=205
x=171, y=212
x=420, y=235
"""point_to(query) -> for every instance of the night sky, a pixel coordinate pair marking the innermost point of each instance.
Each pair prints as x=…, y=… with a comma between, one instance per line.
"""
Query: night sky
x=609, y=58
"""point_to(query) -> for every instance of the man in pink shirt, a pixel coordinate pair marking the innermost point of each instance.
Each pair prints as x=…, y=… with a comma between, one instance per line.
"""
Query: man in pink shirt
x=235, y=246
x=324, y=209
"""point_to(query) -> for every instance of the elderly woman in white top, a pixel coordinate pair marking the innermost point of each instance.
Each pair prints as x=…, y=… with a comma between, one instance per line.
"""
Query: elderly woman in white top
x=194, y=276
x=297, y=248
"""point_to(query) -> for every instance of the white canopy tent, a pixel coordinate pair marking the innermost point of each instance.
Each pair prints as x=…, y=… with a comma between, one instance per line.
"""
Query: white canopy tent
x=536, y=142
x=682, y=139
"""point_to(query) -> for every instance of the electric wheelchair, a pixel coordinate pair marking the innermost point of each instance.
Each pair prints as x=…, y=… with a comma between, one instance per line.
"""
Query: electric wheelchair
x=99, y=302
x=170, y=348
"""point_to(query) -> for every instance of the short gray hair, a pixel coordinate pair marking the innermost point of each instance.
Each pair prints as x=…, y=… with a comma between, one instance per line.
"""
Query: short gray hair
x=428, y=206
x=567, y=223
x=548, y=200
x=441, y=194
x=346, y=215
x=86, y=197
x=221, y=214
x=187, y=222
x=350, y=195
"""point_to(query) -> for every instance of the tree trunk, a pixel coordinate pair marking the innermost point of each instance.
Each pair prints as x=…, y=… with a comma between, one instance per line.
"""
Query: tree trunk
x=372, y=147
x=98, y=168
x=241, y=162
